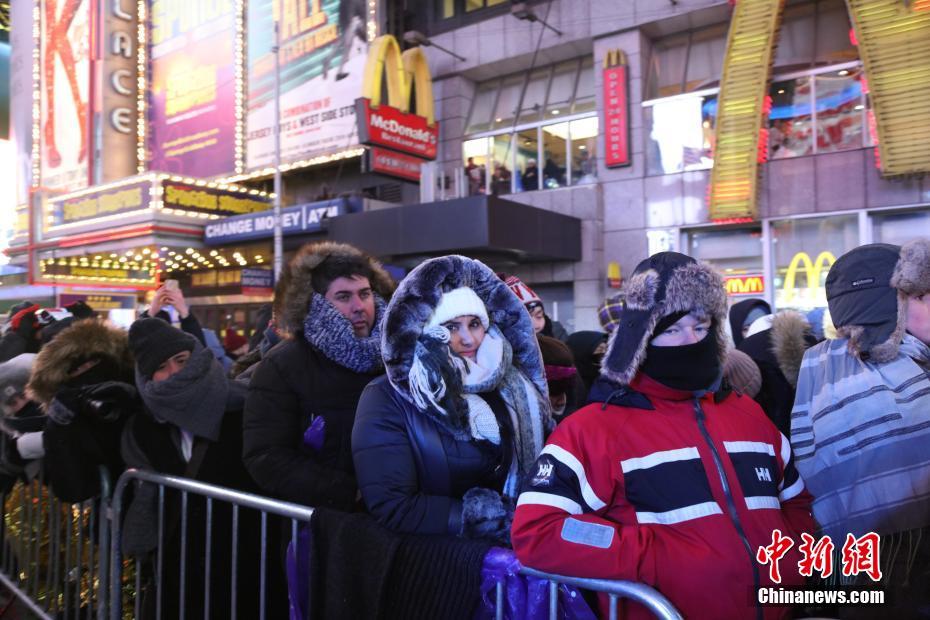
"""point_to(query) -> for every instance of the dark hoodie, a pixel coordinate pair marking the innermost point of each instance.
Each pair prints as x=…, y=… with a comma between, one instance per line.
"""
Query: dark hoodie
x=588, y=364
x=738, y=313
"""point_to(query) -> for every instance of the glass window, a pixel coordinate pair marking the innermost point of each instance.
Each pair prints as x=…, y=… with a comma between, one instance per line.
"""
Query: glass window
x=508, y=100
x=667, y=67
x=481, y=108
x=534, y=100
x=585, y=98
x=555, y=155
x=705, y=59
x=790, y=123
x=803, y=251
x=899, y=228
x=448, y=9
x=527, y=152
x=736, y=254
x=839, y=111
x=832, y=40
x=475, y=154
x=681, y=134
x=502, y=165
x=584, y=150
x=562, y=89
x=473, y=5
x=796, y=37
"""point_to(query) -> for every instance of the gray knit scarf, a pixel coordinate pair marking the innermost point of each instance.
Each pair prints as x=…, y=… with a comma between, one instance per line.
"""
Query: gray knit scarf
x=331, y=333
x=194, y=399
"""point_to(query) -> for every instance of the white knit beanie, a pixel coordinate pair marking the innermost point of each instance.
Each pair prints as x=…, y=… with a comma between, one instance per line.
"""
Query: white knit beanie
x=459, y=302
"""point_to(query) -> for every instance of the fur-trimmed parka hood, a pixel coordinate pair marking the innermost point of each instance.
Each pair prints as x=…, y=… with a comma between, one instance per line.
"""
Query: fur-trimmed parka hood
x=663, y=284
x=83, y=341
x=417, y=297
x=298, y=286
x=791, y=337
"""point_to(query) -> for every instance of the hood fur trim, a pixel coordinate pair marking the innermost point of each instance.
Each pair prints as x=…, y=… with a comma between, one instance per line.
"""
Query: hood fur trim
x=691, y=287
x=299, y=287
x=789, y=334
x=881, y=353
x=417, y=297
x=85, y=339
x=912, y=273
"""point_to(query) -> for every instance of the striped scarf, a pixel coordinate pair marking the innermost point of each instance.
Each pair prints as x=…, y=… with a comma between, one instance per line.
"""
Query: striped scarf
x=860, y=433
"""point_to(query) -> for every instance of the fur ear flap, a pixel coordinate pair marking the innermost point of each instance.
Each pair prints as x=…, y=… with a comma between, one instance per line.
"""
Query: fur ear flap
x=912, y=273
x=642, y=289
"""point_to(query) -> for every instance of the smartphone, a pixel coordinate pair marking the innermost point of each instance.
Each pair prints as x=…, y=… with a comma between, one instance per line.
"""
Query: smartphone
x=171, y=284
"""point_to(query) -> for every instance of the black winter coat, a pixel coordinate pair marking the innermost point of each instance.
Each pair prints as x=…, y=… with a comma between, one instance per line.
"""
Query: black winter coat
x=293, y=384
x=411, y=470
x=776, y=395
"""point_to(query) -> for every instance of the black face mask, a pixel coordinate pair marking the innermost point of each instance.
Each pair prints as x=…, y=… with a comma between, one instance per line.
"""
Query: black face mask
x=690, y=367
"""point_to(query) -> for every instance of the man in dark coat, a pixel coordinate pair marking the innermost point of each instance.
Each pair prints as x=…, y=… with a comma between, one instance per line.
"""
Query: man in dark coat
x=302, y=397
x=191, y=426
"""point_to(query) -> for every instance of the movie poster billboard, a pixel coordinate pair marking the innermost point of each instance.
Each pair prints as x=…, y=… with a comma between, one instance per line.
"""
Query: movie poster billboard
x=192, y=105
x=322, y=61
x=65, y=87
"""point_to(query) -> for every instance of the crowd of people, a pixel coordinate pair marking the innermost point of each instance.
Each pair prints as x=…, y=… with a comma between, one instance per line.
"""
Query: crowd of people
x=665, y=449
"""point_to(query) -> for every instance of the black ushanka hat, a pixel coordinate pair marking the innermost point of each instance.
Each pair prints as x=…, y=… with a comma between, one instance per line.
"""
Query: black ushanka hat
x=664, y=284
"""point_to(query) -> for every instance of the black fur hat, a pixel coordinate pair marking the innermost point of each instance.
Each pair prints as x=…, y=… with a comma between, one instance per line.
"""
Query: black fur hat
x=663, y=284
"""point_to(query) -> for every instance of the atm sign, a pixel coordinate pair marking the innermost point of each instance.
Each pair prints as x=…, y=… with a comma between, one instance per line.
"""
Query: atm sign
x=745, y=285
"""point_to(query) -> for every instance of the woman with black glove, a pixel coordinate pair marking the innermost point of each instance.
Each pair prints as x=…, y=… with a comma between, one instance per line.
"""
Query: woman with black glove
x=442, y=443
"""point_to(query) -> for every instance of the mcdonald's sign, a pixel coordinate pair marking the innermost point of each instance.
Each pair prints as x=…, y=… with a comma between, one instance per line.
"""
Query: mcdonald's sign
x=813, y=269
x=744, y=285
x=391, y=124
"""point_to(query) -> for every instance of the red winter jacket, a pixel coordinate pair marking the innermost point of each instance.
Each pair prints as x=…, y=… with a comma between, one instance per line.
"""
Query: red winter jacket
x=665, y=489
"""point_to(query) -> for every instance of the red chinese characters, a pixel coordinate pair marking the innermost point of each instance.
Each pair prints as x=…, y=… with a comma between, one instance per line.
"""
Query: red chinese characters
x=773, y=553
x=859, y=555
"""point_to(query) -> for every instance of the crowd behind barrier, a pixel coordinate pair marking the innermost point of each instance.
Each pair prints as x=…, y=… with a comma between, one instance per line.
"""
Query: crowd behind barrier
x=65, y=560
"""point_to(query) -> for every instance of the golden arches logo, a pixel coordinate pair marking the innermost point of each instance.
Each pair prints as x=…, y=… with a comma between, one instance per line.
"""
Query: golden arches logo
x=812, y=269
x=402, y=72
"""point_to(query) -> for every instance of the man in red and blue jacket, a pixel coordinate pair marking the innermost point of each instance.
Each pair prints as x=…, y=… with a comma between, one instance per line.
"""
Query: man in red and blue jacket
x=668, y=477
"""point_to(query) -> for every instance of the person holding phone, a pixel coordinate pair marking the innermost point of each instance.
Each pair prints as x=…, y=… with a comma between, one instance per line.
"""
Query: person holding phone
x=169, y=294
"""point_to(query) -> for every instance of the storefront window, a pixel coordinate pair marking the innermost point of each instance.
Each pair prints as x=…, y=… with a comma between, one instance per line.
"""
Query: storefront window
x=482, y=107
x=502, y=171
x=899, y=228
x=584, y=150
x=562, y=89
x=790, y=122
x=737, y=255
x=555, y=155
x=681, y=134
x=475, y=155
x=507, y=100
x=585, y=99
x=527, y=147
x=534, y=99
x=839, y=110
x=803, y=251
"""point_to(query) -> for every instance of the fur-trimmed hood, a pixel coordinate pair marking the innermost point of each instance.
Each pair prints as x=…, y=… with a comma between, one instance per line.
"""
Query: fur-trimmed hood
x=661, y=285
x=791, y=337
x=417, y=297
x=83, y=341
x=298, y=286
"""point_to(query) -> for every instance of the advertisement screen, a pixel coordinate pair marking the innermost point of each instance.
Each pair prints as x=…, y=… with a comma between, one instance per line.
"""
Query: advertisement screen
x=192, y=114
x=322, y=61
x=65, y=87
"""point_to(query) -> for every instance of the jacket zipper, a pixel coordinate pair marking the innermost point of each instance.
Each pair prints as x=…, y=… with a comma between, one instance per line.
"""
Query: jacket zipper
x=731, y=505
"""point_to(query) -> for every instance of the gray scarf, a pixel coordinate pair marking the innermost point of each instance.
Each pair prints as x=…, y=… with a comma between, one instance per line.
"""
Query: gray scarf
x=193, y=399
x=331, y=333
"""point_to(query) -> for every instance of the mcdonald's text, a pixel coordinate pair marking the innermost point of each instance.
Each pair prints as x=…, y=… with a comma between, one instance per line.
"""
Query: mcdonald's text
x=401, y=131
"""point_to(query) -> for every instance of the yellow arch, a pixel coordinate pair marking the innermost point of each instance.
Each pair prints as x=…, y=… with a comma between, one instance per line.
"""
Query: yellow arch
x=812, y=269
x=401, y=72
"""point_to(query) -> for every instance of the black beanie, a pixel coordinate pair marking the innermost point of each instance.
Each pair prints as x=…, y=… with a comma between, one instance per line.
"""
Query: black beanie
x=153, y=341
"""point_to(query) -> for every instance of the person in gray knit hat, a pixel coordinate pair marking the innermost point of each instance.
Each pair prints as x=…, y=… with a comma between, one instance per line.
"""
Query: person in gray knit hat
x=22, y=423
x=861, y=418
x=668, y=477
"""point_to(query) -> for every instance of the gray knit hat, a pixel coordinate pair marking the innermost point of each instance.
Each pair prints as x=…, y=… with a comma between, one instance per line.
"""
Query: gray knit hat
x=14, y=375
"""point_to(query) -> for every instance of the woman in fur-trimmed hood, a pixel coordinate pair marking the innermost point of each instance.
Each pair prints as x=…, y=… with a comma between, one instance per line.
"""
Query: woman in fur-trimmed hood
x=303, y=394
x=86, y=365
x=861, y=419
x=442, y=443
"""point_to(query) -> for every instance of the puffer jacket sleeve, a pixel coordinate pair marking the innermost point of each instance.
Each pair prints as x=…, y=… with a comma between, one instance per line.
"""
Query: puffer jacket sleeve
x=272, y=446
x=387, y=470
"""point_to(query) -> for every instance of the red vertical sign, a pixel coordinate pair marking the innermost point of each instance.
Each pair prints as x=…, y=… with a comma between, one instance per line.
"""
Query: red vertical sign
x=616, y=117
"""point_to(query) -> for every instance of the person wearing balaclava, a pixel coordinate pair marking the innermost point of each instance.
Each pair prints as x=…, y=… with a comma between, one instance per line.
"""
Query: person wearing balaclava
x=443, y=442
x=861, y=419
x=668, y=477
x=588, y=348
x=743, y=314
x=190, y=426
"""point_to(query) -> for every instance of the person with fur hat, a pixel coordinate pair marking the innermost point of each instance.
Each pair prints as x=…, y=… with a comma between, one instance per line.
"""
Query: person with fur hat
x=668, y=477
x=542, y=323
x=861, y=419
x=82, y=380
x=442, y=443
x=331, y=310
x=190, y=426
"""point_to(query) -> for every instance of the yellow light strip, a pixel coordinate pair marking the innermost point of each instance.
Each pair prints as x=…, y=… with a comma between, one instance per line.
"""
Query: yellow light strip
x=141, y=86
x=894, y=44
x=741, y=110
x=303, y=163
x=239, y=69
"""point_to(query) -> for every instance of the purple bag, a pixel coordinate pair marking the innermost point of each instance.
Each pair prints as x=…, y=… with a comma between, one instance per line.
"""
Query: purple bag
x=297, y=563
x=524, y=597
x=315, y=434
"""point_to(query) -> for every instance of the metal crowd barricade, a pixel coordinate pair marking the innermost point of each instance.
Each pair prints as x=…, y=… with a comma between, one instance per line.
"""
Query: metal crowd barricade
x=236, y=499
x=53, y=555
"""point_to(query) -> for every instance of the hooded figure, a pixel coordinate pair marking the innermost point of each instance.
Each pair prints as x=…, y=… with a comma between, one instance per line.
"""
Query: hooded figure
x=861, y=420
x=303, y=394
x=588, y=347
x=668, y=478
x=442, y=443
x=22, y=423
x=190, y=426
x=83, y=381
x=743, y=314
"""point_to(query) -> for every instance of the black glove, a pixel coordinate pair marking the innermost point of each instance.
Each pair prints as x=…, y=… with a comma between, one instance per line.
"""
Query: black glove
x=109, y=400
x=487, y=515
